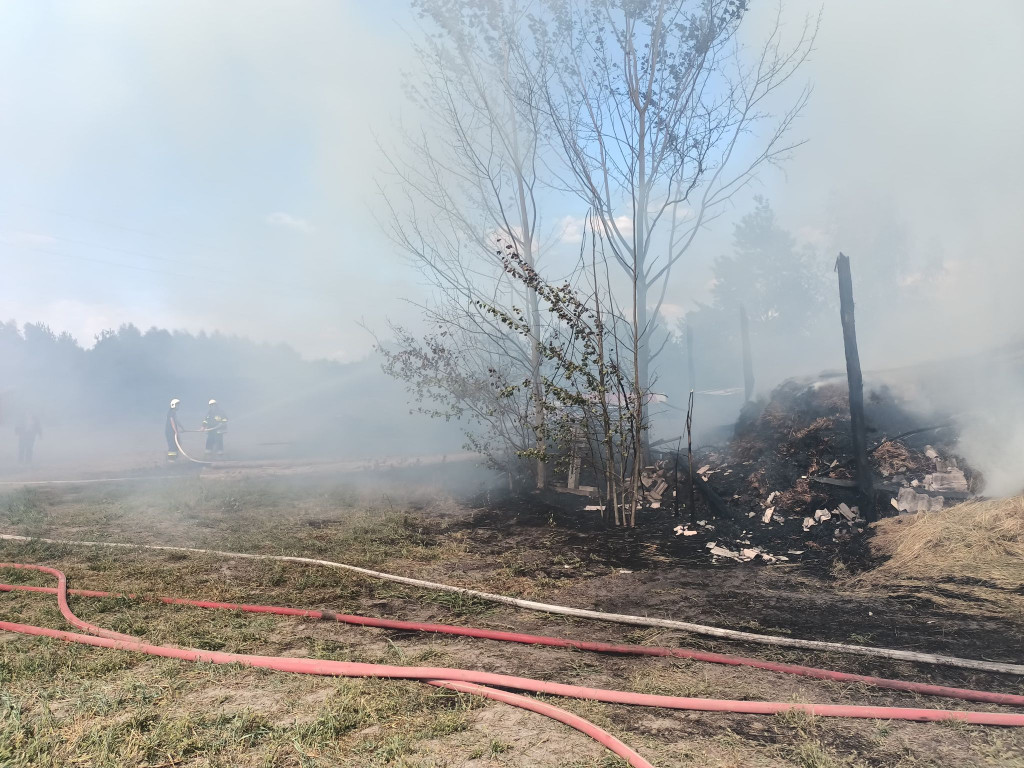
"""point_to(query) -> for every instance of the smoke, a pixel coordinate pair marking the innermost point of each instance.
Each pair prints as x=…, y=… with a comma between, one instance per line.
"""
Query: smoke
x=206, y=166
x=912, y=168
x=199, y=166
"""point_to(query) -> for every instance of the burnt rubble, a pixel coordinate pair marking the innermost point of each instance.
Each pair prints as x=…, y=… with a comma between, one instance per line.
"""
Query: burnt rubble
x=784, y=484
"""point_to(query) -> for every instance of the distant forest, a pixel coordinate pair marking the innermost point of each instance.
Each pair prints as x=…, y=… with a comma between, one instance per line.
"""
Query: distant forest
x=279, y=402
x=119, y=389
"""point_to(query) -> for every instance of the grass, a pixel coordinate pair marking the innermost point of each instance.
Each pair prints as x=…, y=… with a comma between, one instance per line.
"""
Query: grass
x=975, y=547
x=70, y=705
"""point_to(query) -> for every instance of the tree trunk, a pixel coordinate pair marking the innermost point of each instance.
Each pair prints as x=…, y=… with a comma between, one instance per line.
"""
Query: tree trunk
x=865, y=483
x=643, y=369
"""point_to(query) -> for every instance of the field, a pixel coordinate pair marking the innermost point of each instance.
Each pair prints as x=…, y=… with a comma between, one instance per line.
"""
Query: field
x=63, y=704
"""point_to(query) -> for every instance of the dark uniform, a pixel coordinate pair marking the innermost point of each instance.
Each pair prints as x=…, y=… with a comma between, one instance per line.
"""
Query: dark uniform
x=171, y=428
x=216, y=424
x=27, y=431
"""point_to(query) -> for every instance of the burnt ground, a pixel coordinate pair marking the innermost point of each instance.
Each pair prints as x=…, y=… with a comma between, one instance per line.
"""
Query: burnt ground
x=790, y=454
x=675, y=578
x=58, y=704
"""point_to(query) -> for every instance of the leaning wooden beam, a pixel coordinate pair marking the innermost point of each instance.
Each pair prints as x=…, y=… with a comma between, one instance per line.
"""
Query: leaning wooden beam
x=839, y=482
x=865, y=483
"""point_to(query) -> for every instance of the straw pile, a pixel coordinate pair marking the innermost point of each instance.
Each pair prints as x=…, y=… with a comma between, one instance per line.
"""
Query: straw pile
x=969, y=557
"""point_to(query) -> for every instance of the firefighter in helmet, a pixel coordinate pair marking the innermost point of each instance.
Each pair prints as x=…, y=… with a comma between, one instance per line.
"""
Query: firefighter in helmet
x=172, y=429
x=215, y=425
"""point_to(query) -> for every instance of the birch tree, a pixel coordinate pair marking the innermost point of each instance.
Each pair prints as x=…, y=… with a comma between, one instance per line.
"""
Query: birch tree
x=471, y=184
x=662, y=116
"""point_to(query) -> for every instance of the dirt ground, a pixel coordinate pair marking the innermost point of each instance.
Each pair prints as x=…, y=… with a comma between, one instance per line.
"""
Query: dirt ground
x=72, y=705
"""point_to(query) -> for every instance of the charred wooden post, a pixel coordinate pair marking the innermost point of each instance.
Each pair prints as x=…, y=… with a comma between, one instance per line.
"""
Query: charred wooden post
x=675, y=480
x=689, y=456
x=748, y=363
x=689, y=356
x=865, y=483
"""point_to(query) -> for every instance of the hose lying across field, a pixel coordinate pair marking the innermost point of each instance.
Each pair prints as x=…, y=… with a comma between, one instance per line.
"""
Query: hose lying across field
x=926, y=689
x=469, y=681
x=582, y=613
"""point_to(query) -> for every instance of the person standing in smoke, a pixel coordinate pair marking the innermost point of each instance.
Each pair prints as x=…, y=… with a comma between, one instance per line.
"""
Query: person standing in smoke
x=215, y=424
x=27, y=431
x=172, y=429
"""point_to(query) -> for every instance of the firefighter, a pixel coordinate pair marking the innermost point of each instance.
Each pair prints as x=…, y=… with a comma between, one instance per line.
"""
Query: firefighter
x=215, y=424
x=27, y=430
x=172, y=429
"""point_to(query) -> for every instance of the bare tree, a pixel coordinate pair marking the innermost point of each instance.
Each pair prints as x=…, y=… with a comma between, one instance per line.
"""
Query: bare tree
x=472, y=185
x=591, y=401
x=662, y=116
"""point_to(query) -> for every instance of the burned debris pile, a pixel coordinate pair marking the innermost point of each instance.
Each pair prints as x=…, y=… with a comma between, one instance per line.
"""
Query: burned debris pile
x=784, y=484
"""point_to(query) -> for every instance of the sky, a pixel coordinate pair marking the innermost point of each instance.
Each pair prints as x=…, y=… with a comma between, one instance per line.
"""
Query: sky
x=215, y=166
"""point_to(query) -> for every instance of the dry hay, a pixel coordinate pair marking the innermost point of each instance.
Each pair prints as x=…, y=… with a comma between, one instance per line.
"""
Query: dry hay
x=970, y=556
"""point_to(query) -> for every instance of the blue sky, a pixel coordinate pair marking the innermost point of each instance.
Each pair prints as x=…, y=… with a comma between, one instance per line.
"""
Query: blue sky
x=180, y=165
x=213, y=165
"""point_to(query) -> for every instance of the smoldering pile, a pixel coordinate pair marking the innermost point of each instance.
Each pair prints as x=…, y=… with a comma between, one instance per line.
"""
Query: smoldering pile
x=784, y=484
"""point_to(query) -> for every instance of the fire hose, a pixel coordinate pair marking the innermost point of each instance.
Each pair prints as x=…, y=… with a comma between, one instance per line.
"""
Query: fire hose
x=480, y=683
x=182, y=450
x=553, y=642
x=109, y=639
x=561, y=610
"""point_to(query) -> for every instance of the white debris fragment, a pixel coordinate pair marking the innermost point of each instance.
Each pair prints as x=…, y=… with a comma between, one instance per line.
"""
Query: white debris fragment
x=681, y=530
x=795, y=551
x=767, y=516
x=723, y=552
x=704, y=469
x=593, y=508
x=808, y=522
x=751, y=514
x=771, y=498
x=836, y=461
x=655, y=505
x=624, y=570
x=749, y=554
x=930, y=452
x=846, y=512
x=953, y=480
x=911, y=501
x=821, y=515
x=895, y=504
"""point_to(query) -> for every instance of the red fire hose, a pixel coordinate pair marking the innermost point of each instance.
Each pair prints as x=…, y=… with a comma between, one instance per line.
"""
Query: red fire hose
x=441, y=674
x=110, y=639
x=555, y=642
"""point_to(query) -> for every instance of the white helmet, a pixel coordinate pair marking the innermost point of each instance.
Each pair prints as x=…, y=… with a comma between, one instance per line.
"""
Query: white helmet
x=174, y=402
x=212, y=402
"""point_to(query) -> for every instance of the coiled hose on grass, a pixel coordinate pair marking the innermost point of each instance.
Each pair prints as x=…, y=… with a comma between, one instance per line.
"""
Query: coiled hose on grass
x=926, y=689
x=115, y=640
x=619, y=618
x=110, y=639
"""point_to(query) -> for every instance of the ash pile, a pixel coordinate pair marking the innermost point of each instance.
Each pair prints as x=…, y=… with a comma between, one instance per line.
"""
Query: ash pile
x=784, y=486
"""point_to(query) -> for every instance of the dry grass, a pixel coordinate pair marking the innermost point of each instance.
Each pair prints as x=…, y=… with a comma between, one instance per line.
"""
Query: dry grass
x=67, y=705
x=976, y=546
